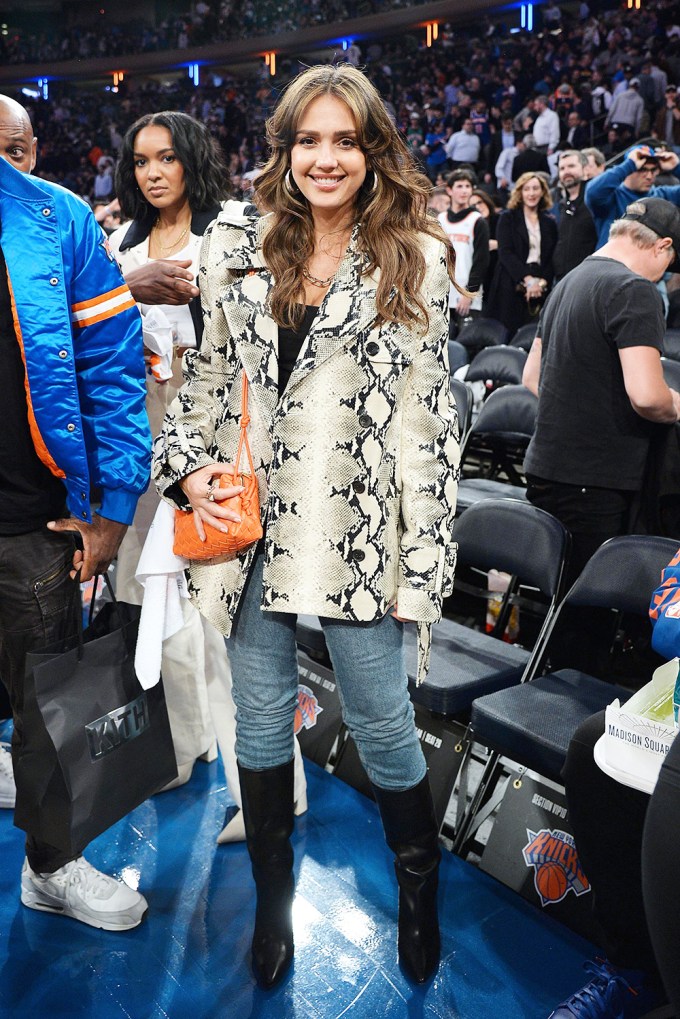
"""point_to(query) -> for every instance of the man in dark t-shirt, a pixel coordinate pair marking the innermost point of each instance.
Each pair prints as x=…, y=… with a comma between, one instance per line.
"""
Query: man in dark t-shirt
x=601, y=396
x=602, y=393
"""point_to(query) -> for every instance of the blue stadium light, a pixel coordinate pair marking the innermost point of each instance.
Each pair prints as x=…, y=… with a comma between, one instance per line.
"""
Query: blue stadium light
x=527, y=17
x=345, y=44
x=44, y=85
x=194, y=73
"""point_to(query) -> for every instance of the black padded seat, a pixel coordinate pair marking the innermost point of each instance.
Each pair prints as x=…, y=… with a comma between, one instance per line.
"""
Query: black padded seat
x=534, y=723
x=474, y=490
x=482, y=332
x=463, y=664
x=501, y=366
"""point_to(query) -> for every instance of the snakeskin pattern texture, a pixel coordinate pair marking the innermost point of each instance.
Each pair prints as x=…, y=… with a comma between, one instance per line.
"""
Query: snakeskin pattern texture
x=357, y=462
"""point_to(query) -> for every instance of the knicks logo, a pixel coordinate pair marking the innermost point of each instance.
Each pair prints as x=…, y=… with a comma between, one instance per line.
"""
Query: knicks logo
x=307, y=709
x=557, y=869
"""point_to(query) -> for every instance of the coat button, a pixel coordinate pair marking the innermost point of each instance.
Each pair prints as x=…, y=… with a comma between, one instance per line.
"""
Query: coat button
x=359, y=487
x=70, y=427
x=63, y=354
x=372, y=348
x=47, y=212
x=358, y=556
x=365, y=420
x=54, y=281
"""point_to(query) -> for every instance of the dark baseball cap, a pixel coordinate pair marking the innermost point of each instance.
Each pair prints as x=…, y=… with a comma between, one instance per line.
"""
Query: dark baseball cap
x=660, y=216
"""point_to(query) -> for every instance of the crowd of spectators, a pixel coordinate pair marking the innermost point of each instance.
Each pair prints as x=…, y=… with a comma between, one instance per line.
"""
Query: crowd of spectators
x=205, y=23
x=496, y=102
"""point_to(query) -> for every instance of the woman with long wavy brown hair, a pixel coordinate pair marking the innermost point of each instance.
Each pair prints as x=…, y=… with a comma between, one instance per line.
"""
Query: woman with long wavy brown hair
x=334, y=305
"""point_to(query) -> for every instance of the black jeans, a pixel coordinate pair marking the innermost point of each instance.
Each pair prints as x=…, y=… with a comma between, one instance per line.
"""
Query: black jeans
x=608, y=820
x=592, y=515
x=39, y=605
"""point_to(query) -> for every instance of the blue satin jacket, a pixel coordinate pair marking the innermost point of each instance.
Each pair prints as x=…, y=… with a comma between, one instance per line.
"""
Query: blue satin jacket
x=80, y=333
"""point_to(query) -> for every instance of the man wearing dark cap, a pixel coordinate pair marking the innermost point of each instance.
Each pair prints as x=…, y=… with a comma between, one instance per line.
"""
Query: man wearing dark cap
x=596, y=367
x=601, y=383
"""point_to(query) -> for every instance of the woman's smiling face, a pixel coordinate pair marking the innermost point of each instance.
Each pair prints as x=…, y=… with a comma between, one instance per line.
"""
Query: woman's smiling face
x=326, y=161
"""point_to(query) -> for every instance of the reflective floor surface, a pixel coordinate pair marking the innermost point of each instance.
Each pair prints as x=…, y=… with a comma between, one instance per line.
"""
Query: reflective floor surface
x=189, y=959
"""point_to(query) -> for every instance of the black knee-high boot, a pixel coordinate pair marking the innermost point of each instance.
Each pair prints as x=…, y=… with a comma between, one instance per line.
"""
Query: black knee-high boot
x=411, y=833
x=268, y=818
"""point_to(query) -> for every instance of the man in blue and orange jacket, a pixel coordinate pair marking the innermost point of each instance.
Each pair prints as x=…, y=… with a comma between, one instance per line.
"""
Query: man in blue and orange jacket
x=74, y=421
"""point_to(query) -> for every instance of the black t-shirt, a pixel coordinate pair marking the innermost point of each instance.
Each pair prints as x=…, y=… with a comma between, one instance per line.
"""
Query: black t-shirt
x=30, y=494
x=290, y=343
x=587, y=432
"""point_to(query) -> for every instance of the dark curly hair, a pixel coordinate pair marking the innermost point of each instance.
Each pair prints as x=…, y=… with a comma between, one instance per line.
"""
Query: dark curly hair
x=205, y=173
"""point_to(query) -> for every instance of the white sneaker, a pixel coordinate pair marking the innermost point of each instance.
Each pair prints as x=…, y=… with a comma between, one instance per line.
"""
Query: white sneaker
x=8, y=790
x=80, y=891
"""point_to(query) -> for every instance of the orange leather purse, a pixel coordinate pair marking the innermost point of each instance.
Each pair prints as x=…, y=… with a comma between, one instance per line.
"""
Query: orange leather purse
x=247, y=504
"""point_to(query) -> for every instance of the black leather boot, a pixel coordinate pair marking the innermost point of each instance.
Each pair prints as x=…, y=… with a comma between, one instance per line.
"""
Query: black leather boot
x=411, y=833
x=268, y=817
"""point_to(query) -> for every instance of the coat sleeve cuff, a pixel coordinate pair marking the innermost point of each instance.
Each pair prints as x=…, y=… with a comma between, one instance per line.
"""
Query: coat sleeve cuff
x=118, y=505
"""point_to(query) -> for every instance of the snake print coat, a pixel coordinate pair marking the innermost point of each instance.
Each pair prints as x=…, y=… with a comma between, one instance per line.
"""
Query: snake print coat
x=357, y=462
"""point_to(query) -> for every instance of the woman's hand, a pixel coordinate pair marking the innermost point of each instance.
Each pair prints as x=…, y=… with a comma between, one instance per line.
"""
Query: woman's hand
x=534, y=288
x=205, y=497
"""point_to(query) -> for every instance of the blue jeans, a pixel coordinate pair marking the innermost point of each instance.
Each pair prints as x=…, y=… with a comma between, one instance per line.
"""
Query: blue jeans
x=372, y=684
x=39, y=606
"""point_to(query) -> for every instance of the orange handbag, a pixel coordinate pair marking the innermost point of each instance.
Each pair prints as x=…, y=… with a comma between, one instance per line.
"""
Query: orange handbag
x=247, y=504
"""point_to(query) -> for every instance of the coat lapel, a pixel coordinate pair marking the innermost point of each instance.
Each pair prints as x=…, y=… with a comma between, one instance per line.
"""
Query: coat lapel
x=255, y=333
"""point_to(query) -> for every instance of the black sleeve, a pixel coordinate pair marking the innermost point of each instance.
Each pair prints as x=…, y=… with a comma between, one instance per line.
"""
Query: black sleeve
x=480, y=255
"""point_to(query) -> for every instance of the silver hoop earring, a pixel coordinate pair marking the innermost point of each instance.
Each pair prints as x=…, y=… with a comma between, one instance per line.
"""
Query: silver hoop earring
x=374, y=184
x=290, y=185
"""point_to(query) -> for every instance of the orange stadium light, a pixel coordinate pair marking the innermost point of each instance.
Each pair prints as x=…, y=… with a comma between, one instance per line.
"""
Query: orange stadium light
x=270, y=61
x=432, y=30
x=634, y=4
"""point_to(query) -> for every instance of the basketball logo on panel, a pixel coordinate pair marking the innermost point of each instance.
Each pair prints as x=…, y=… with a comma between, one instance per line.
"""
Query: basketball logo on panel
x=557, y=869
x=307, y=710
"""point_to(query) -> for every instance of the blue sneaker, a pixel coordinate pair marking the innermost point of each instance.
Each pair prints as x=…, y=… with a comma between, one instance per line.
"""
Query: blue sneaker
x=609, y=995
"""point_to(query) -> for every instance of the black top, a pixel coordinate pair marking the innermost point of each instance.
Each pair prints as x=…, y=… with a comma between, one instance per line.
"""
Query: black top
x=587, y=432
x=290, y=344
x=31, y=495
x=577, y=236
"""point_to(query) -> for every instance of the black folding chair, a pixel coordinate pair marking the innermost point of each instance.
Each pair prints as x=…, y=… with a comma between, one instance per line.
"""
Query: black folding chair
x=462, y=394
x=496, y=367
x=533, y=723
x=515, y=538
x=492, y=455
x=671, y=344
x=525, y=336
x=480, y=333
x=671, y=372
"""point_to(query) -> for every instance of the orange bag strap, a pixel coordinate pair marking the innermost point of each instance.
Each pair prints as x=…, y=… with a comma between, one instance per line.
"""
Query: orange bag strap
x=243, y=425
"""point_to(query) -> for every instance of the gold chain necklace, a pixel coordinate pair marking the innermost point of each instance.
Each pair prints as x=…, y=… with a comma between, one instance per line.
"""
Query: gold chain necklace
x=169, y=247
x=313, y=279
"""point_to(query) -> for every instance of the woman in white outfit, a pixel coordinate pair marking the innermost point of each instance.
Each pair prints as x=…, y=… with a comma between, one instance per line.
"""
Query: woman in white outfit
x=171, y=180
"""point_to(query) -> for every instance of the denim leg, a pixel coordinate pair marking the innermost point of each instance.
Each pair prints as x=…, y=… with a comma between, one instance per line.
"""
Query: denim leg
x=368, y=660
x=263, y=658
x=39, y=605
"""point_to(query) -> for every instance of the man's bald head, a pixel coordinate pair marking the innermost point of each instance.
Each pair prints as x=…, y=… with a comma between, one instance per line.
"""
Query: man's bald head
x=17, y=144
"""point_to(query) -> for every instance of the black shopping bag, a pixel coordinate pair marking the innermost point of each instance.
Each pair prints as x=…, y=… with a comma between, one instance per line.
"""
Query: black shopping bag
x=95, y=744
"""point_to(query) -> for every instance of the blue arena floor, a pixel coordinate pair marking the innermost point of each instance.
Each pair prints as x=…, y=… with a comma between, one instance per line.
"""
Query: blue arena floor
x=189, y=959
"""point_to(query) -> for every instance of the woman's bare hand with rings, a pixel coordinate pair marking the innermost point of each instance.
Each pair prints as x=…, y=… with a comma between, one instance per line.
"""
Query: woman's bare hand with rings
x=205, y=496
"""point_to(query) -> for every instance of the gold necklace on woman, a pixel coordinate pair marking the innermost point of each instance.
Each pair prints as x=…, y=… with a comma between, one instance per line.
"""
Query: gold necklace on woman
x=180, y=237
x=313, y=279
